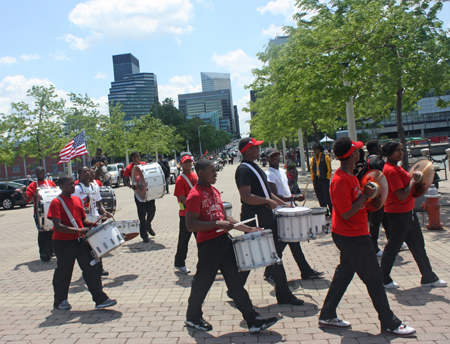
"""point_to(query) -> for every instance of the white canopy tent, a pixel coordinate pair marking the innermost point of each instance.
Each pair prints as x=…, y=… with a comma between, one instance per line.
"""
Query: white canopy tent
x=326, y=139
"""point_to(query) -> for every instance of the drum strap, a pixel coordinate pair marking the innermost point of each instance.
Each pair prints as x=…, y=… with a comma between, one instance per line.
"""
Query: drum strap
x=69, y=214
x=259, y=178
x=187, y=180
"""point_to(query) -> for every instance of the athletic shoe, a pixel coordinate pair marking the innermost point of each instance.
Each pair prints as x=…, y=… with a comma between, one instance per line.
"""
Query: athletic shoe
x=269, y=279
x=44, y=257
x=401, y=331
x=260, y=323
x=183, y=269
x=65, y=305
x=380, y=253
x=335, y=322
x=105, y=273
x=200, y=324
x=145, y=240
x=106, y=304
x=392, y=285
x=151, y=232
x=436, y=284
x=293, y=302
x=315, y=274
x=404, y=247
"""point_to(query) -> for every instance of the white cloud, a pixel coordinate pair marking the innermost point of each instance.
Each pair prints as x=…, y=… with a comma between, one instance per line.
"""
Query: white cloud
x=237, y=61
x=272, y=31
x=243, y=116
x=60, y=56
x=178, y=85
x=101, y=76
x=285, y=8
x=134, y=19
x=7, y=60
x=103, y=104
x=30, y=57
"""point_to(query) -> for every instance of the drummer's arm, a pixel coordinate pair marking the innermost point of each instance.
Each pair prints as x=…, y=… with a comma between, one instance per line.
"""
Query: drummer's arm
x=273, y=188
x=359, y=202
x=182, y=199
x=87, y=223
x=279, y=201
x=67, y=229
x=193, y=224
x=243, y=228
x=249, y=198
x=101, y=209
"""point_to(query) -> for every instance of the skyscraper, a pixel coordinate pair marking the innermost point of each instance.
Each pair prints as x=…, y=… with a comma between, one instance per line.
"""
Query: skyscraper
x=236, y=119
x=137, y=92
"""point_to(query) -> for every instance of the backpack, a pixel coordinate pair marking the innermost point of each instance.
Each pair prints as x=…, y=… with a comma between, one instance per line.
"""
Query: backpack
x=371, y=160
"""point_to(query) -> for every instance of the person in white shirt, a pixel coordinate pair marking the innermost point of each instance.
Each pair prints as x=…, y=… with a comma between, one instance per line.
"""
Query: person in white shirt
x=279, y=186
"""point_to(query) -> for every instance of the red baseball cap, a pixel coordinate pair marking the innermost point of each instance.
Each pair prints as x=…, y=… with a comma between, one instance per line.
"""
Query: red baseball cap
x=353, y=147
x=248, y=142
x=186, y=158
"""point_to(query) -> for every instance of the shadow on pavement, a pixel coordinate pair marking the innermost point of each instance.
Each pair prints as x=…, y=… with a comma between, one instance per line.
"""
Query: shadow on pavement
x=60, y=317
x=38, y=265
x=145, y=247
x=419, y=296
x=184, y=280
x=119, y=281
x=266, y=336
x=349, y=336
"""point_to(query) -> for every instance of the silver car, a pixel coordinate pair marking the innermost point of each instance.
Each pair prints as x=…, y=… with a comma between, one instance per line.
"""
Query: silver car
x=116, y=171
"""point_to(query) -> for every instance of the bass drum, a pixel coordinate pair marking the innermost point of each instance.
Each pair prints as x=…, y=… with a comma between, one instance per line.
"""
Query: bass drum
x=150, y=182
x=42, y=200
x=108, y=199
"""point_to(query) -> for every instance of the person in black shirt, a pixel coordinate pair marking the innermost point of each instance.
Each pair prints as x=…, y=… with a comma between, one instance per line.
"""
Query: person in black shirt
x=259, y=200
x=166, y=170
x=99, y=157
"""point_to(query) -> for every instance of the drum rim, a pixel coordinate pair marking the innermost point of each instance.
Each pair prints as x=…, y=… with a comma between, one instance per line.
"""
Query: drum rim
x=99, y=228
x=319, y=212
x=249, y=236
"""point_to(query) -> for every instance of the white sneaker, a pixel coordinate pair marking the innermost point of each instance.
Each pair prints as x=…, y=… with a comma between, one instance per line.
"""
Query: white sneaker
x=335, y=322
x=404, y=247
x=183, y=269
x=402, y=331
x=436, y=284
x=392, y=285
x=380, y=253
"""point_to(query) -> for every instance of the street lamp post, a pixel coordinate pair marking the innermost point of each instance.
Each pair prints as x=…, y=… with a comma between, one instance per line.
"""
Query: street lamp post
x=199, y=141
x=69, y=163
x=349, y=108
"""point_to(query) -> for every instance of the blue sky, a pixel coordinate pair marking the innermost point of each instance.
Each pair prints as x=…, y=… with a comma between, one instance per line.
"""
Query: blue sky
x=70, y=43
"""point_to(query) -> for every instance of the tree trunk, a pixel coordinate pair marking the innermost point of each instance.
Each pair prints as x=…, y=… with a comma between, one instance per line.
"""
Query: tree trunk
x=400, y=129
x=307, y=151
x=316, y=133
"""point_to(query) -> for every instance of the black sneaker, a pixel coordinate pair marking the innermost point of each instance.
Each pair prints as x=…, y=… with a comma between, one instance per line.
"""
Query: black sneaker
x=44, y=257
x=293, y=302
x=200, y=324
x=314, y=274
x=145, y=240
x=107, y=303
x=65, y=305
x=105, y=273
x=260, y=323
x=151, y=232
x=269, y=278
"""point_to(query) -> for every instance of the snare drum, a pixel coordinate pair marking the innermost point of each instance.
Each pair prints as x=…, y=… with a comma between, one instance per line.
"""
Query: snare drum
x=108, y=199
x=150, y=182
x=43, y=198
x=104, y=238
x=293, y=224
x=228, y=208
x=129, y=229
x=255, y=250
x=318, y=223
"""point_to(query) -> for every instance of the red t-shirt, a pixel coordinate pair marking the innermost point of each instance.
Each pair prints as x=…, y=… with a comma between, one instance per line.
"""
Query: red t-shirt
x=207, y=203
x=344, y=190
x=397, y=178
x=99, y=183
x=127, y=172
x=57, y=211
x=182, y=188
x=31, y=189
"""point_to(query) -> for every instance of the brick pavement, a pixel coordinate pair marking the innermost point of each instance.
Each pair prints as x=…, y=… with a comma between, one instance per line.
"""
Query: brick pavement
x=152, y=299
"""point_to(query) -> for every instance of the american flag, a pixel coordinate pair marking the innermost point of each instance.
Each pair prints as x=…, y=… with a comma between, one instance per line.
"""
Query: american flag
x=74, y=148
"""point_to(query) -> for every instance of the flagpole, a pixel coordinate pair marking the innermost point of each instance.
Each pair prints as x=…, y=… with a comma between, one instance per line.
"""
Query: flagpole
x=85, y=143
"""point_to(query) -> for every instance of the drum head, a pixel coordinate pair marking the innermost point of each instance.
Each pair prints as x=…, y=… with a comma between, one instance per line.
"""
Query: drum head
x=318, y=211
x=378, y=178
x=98, y=228
x=299, y=211
x=137, y=178
x=426, y=168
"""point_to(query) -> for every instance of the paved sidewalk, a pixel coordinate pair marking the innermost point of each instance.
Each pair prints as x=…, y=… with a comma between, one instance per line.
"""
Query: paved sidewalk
x=152, y=298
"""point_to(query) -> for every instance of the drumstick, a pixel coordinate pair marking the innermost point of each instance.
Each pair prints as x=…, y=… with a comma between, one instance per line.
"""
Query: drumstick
x=304, y=193
x=256, y=219
x=240, y=223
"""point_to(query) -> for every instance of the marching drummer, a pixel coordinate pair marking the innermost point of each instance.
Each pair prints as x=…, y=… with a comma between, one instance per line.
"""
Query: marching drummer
x=279, y=186
x=206, y=216
x=257, y=198
x=350, y=233
x=44, y=237
x=146, y=210
x=70, y=223
x=403, y=222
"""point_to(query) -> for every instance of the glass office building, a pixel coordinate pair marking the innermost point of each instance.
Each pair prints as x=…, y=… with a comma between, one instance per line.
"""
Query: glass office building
x=125, y=64
x=194, y=104
x=211, y=118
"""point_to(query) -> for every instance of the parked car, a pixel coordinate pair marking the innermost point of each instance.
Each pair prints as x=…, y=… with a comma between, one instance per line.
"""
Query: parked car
x=9, y=197
x=24, y=181
x=116, y=172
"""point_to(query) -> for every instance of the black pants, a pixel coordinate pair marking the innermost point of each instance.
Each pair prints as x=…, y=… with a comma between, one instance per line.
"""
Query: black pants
x=146, y=213
x=322, y=190
x=405, y=227
x=167, y=184
x=183, y=242
x=67, y=251
x=267, y=220
x=299, y=257
x=213, y=255
x=377, y=218
x=44, y=241
x=358, y=255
